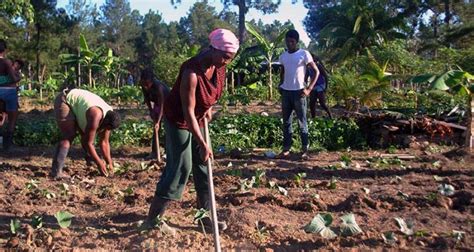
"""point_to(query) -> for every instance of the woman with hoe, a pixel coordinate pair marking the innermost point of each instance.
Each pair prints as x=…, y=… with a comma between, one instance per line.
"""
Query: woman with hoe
x=198, y=87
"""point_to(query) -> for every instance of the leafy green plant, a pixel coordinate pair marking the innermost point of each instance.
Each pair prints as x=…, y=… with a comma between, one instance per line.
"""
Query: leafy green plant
x=298, y=178
x=389, y=238
x=280, y=189
x=321, y=224
x=64, y=189
x=37, y=221
x=63, y=218
x=392, y=149
x=332, y=184
x=234, y=172
x=32, y=184
x=47, y=194
x=349, y=225
x=405, y=227
x=261, y=232
x=15, y=226
x=199, y=215
x=446, y=189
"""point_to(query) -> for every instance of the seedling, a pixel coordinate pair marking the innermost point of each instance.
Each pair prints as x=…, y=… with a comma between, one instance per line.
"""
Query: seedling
x=389, y=238
x=234, y=172
x=32, y=184
x=332, y=184
x=432, y=197
x=298, y=178
x=259, y=177
x=64, y=189
x=421, y=233
x=347, y=159
x=274, y=185
x=349, y=225
x=15, y=226
x=320, y=224
x=199, y=216
x=37, y=221
x=403, y=195
x=261, y=232
x=246, y=184
x=64, y=218
x=405, y=227
x=446, y=189
x=458, y=235
x=121, y=169
x=392, y=149
x=47, y=194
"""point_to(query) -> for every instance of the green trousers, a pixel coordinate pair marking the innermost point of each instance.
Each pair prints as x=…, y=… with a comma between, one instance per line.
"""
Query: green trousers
x=182, y=156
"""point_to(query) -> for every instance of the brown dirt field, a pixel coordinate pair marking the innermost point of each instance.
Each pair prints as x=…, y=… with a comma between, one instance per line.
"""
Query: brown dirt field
x=105, y=218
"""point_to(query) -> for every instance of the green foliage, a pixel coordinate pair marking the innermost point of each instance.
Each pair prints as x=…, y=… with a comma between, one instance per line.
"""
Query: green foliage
x=37, y=221
x=233, y=131
x=349, y=225
x=15, y=226
x=64, y=218
x=321, y=224
x=36, y=132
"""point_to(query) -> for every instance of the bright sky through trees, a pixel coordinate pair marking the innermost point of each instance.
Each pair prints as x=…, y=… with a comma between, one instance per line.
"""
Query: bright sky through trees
x=287, y=11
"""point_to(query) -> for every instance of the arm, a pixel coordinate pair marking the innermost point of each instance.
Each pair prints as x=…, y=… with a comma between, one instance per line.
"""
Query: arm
x=93, y=115
x=104, y=137
x=161, y=100
x=282, y=76
x=209, y=114
x=187, y=93
x=308, y=89
x=147, y=101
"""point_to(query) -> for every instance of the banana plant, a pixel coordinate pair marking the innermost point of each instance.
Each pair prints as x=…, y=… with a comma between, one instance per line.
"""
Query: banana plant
x=270, y=51
x=379, y=82
x=457, y=82
x=89, y=58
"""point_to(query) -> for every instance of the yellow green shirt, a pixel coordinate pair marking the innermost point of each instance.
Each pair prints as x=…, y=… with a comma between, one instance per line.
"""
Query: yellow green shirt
x=80, y=101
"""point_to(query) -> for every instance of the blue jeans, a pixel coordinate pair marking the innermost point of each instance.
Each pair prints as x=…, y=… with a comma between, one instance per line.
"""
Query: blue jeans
x=292, y=100
x=10, y=97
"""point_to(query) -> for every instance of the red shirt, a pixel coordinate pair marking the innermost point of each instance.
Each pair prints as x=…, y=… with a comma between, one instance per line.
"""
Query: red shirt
x=208, y=91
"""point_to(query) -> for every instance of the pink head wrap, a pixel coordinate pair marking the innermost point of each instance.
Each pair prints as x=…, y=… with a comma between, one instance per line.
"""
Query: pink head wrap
x=224, y=40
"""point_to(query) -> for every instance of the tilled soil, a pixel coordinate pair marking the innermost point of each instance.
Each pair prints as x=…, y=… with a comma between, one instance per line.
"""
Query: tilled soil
x=107, y=211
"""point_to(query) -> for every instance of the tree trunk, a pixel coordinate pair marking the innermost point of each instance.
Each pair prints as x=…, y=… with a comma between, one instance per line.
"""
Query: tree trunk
x=90, y=77
x=270, y=82
x=78, y=67
x=38, y=63
x=470, y=126
x=232, y=81
x=242, y=11
x=447, y=13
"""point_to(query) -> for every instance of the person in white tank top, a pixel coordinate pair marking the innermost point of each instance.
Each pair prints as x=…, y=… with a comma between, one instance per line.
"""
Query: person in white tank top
x=293, y=91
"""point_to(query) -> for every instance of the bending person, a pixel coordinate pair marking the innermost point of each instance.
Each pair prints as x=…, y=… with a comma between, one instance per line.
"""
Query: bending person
x=198, y=87
x=154, y=92
x=93, y=117
x=8, y=94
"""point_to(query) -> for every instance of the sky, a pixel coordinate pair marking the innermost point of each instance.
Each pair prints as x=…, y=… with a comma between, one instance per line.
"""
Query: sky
x=287, y=11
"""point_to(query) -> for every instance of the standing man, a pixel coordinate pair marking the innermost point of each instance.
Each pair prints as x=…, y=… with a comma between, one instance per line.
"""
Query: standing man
x=198, y=87
x=83, y=111
x=8, y=94
x=154, y=91
x=294, y=63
